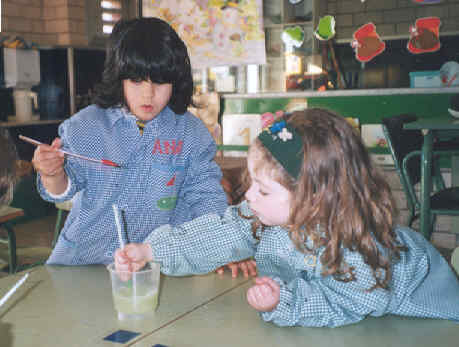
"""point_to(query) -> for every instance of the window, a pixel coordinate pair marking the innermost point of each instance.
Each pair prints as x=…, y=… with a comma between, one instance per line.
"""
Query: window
x=102, y=16
x=111, y=12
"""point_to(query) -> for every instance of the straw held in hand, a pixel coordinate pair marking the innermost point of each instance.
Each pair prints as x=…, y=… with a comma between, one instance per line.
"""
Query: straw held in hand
x=101, y=161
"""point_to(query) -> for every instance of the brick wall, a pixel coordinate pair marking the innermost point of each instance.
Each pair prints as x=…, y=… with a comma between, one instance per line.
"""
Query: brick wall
x=46, y=22
x=391, y=17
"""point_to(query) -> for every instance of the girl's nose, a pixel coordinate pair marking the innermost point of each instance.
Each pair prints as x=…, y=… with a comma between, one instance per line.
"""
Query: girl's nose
x=249, y=194
x=148, y=89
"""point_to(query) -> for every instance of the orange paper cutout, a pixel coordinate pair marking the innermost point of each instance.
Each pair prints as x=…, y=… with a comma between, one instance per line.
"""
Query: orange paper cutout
x=364, y=35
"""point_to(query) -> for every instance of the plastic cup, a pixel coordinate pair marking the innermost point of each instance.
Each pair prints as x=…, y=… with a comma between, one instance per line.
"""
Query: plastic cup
x=135, y=294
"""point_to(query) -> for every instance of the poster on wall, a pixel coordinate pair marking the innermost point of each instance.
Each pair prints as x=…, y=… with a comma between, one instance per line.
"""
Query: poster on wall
x=216, y=32
x=241, y=130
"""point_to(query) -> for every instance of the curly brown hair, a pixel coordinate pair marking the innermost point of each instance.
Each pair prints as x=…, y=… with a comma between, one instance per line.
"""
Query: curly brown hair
x=8, y=168
x=340, y=192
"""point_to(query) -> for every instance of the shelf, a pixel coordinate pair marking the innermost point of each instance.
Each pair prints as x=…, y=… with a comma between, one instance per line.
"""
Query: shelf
x=286, y=24
x=32, y=122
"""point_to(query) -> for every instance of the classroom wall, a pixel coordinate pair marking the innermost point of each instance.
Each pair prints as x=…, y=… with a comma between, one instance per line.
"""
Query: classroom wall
x=391, y=17
x=46, y=22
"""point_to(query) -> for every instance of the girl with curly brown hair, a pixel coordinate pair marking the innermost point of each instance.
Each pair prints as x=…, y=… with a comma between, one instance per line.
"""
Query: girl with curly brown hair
x=319, y=220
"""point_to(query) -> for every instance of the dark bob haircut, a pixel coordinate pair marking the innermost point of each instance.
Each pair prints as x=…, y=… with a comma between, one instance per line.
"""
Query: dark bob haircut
x=145, y=49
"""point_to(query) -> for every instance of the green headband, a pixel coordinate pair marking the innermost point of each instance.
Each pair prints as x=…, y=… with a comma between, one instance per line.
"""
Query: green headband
x=285, y=145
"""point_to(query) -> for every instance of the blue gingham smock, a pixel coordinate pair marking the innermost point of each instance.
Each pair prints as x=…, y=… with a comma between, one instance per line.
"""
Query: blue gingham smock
x=423, y=285
x=168, y=177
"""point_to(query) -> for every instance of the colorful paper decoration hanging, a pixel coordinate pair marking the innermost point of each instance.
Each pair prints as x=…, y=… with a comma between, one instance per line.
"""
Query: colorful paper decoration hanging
x=367, y=43
x=425, y=35
x=427, y=2
x=326, y=28
x=293, y=36
x=449, y=74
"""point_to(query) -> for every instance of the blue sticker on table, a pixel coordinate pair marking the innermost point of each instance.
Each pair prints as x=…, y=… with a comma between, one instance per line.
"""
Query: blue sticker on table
x=159, y=345
x=121, y=336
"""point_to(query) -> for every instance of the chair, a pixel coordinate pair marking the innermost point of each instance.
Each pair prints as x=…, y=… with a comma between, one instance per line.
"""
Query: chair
x=405, y=147
x=455, y=260
x=62, y=210
x=8, y=214
x=232, y=169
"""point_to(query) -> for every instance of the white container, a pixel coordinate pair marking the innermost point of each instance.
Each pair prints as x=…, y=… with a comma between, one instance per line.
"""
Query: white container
x=24, y=100
x=22, y=67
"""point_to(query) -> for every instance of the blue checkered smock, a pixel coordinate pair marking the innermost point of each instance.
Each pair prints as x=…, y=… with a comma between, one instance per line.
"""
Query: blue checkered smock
x=168, y=177
x=423, y=285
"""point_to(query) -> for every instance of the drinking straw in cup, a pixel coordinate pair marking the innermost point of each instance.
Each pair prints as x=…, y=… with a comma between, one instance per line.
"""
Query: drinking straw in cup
x=118, y=225
x=120, y=237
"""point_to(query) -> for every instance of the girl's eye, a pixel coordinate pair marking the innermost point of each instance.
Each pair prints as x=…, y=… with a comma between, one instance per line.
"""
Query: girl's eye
x=263, y=193
x=136, y=80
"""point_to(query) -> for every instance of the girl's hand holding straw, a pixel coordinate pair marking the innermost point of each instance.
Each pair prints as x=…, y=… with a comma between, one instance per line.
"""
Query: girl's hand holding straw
x=133, y=257
x=48, y=160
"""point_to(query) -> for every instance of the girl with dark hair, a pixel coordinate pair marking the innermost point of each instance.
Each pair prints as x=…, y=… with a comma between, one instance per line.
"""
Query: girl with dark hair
x=319, y=220
x=139, y=121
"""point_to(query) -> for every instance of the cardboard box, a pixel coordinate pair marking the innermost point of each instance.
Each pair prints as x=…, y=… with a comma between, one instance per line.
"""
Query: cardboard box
x=374, y=139
x=425, y=79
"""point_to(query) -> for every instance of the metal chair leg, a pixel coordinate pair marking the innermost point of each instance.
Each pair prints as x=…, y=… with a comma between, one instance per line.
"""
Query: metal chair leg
x=433, y=219
x=11, y=248
x=412, y=217
x=57, y=227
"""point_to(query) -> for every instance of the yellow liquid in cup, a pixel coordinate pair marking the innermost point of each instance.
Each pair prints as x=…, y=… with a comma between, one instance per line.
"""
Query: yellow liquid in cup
x=144, y=301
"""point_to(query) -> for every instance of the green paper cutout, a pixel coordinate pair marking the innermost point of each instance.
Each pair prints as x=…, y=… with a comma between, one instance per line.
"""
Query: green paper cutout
x=293, y=36
x=326, y=28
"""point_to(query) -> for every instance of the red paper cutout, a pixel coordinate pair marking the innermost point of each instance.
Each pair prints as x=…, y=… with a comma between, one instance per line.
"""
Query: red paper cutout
x=425, y=32
x=367, y=43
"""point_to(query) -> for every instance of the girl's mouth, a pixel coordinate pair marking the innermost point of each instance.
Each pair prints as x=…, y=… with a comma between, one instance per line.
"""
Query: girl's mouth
x=147, y=108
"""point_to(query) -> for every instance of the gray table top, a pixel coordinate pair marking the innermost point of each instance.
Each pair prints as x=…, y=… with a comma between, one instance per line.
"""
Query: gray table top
x=72, y=306
x=229, y=321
